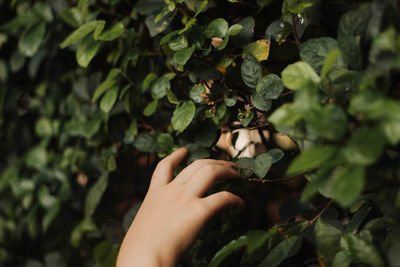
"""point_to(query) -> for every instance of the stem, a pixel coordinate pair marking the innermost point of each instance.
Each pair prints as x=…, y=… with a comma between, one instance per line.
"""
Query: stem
x=261, y=180
x=313, y=220
x=126, y=77
x=258, y=126
x=296, y=34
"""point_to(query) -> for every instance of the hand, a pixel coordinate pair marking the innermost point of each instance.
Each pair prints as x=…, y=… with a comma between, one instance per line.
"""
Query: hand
x=173, y=212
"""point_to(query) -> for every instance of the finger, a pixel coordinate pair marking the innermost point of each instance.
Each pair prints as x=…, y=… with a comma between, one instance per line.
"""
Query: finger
x=163, y=173
x=188, y=173
x=218, y=201
x=206, y=176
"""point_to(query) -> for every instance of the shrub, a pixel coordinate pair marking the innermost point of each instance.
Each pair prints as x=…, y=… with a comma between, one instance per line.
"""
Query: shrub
x=85, y=85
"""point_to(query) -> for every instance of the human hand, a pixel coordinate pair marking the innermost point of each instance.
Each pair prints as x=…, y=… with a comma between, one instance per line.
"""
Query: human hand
x=173, y=212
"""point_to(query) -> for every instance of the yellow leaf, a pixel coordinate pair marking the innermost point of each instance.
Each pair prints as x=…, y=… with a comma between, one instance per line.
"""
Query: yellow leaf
x=258, y=49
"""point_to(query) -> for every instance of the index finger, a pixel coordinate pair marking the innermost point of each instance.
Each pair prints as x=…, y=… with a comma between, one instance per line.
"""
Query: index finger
x=164, y=171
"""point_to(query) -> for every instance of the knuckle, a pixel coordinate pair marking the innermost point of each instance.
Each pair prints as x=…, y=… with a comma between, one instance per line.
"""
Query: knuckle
x=225, y=195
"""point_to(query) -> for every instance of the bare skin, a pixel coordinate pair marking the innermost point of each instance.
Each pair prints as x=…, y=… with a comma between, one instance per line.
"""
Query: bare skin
x=174, y=212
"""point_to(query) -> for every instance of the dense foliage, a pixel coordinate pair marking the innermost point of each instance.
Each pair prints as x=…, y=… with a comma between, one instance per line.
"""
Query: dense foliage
x=92, y=93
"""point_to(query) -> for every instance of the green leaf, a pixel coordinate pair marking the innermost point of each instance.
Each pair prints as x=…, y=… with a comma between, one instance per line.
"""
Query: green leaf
x=299, y=76
x=299, y=7
x=168, y=37
x=87, y=49
x=314, y=51
x=71, y=16
x=159, y=87
x=311, y=159
x=217, y=28
x=159, y=26
x=286, y=248
x=261, y=164
x=228, y=249
x=103, y=87
x=257, y=238
x=95, y=193
x=365, y=146
x=105, y=254
x=251, y=71
x=172, y=97
x=269, y=87
x=183, y=115
x=150, y=108
x=358, y=218
x=276, y=154
x=235, y=29
x=197, y=92
x=150, y=78
x=178, y=43
x=316, y=182
x=262, y=103
x=147, y=142
x=361, y=249
x=347, y=184
x=330, y=60
x=245, y=36
x=183, y=55
x=116, y=31
x=259, y=49
x=328, y=122
x=342, y=259
x=36, y=157
x=81, y=32
x=108, y=100
x=165, y=142
x=44, y=128
x=31, y=39
x=327, y=239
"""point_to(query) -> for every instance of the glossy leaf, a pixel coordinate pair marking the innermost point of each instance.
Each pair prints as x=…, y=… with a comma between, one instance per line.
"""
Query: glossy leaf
x=183, y=116
x=31, y=39
x=299, y=75
x=251, y=71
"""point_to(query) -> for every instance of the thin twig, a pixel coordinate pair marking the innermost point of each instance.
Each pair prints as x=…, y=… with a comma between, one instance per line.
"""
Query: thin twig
x=258, y=126
x=313, y=220
x=261, y=180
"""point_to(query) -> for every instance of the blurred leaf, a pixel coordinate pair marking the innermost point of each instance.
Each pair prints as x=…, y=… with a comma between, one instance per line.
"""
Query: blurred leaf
x=347, y=184
x=87, y=49
x=95, y=193
x=81, y=32
x=342, y=259
x=165, y=142
x=147, y=142
x=105, y=253
x=150, y=108
x=361, y=249
x=299, y=75
x=328, y=122
x=116, y=31
x=311, y=159
x=31, y=39
x=108, y=100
